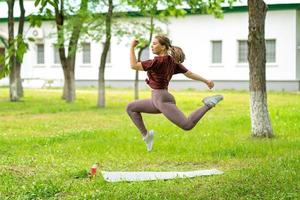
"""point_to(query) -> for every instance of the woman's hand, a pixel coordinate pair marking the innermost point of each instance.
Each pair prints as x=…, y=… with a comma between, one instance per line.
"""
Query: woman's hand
x=210, y=84
x=134, y=43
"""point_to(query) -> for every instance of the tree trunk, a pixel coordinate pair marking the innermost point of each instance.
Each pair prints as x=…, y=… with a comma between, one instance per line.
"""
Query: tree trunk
x=136, y=80
x=69, y=83
x=18, y=62
x=13, y=84
x=59, y=19
x=136, y=85
x=101, y=81
x=69, y=92
x=260, y=121
x=20, y=91
x=68, y=62
x=13, y=93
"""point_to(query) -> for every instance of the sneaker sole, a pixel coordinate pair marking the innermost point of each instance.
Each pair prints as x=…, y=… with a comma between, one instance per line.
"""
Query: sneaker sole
x=203, y=100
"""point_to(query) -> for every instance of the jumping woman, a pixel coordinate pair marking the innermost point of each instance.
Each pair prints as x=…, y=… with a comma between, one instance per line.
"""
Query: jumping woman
x=160, y=71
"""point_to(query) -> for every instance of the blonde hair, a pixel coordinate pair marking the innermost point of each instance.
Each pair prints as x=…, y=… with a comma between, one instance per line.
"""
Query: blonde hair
x=174, y=51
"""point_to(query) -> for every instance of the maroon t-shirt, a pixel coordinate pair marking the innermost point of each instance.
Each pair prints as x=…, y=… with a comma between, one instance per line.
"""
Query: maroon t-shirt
x=160, y=71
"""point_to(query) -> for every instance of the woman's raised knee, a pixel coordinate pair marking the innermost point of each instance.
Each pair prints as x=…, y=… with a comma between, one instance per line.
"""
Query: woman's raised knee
x=187, y=126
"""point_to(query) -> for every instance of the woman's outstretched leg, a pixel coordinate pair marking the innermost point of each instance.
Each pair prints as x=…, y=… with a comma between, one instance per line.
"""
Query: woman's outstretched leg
x=170, y=110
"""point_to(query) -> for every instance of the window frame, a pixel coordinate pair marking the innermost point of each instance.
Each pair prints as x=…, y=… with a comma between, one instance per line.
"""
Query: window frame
x=84, y=62
x=216, y=64
x=37, y=54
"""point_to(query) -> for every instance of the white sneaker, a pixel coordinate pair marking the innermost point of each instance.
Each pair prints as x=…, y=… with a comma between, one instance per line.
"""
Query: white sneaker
x=211, y=101
x=149, y=140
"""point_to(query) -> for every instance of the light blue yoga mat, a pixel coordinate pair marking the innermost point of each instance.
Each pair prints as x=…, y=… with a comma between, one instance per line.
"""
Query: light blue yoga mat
x=148, y=175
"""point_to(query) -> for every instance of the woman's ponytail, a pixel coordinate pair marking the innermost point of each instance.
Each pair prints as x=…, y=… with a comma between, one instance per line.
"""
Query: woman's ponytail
x=177, y=54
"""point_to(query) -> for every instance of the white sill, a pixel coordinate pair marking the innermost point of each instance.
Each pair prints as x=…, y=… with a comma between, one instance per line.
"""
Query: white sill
x=88, y=65
x=39, y=65
x=271, y=65
x=56, y=65
x=247, y=65
x=242, y=65
x=216, y=65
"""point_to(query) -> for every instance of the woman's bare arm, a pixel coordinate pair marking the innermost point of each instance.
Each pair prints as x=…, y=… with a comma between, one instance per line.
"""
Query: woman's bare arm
x=133, y=62
x=191, y=75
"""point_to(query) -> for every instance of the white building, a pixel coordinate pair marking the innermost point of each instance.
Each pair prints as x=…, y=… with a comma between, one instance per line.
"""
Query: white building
x=215, y=48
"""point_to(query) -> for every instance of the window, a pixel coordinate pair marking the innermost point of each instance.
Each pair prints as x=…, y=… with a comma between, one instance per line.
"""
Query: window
x=56, y=55
x=40, y=54
x=271, y=51
x=216, y=54
x=145, y=54
x=86, y=53
x=242, y=51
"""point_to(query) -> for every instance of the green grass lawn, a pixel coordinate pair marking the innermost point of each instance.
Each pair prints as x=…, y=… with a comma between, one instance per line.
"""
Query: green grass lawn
x=47, y=146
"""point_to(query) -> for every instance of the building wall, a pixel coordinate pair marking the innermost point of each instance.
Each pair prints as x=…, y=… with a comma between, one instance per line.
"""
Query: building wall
x=194, y=34
x=50, y=70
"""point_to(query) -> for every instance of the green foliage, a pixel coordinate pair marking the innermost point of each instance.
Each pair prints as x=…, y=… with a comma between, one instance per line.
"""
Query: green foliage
x=47, y=147
x=172, y=11
x=147, y=7
x=144, y=31
x=213, y=7
x=177, y=7
x=44, y=3
x=5, y=67
x=22, y=48
x=12, y=51
x=72, y=16
x=35, y=20
x=2, y=66
x=3, y=41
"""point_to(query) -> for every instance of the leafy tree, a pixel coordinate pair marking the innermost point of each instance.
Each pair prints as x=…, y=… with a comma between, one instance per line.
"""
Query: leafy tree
x=102, y=28
x=16, y=48
x=66, y=32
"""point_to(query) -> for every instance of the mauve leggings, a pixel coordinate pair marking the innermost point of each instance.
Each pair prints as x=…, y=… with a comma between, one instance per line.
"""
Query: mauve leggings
x=163, y=102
